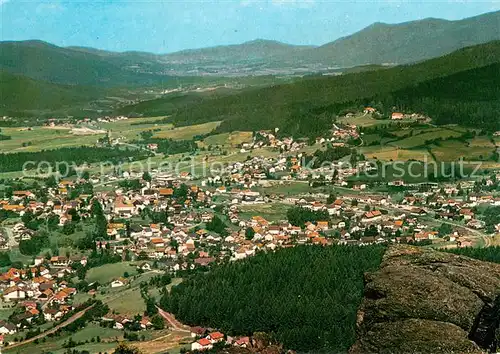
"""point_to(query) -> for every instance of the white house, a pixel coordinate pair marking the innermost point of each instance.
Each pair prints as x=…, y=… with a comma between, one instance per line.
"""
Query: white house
x=14, y=294
x=202, y=344
x=118, y=283
x=7, y=328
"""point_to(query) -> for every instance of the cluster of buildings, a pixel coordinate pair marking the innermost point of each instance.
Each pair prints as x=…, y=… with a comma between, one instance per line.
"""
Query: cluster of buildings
x=183, y=207
x=263, y=139
x=206, y=340
x=181, y=222
x=38, y=293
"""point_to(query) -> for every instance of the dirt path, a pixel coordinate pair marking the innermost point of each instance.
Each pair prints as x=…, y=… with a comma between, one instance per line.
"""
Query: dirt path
x=164, y=343
x=10, y=237
x=53, y=330
x=174, y=324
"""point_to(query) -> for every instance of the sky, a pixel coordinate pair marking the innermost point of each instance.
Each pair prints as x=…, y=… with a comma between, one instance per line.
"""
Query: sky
x=164, y=26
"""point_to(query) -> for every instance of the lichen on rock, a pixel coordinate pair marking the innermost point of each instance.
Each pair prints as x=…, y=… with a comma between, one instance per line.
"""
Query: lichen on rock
x=425, y=301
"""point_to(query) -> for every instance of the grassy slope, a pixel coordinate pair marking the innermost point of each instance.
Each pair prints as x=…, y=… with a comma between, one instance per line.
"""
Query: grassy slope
x=106, y=273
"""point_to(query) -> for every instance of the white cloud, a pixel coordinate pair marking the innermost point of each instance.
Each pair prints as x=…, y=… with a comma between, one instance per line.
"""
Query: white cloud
x=2, y=2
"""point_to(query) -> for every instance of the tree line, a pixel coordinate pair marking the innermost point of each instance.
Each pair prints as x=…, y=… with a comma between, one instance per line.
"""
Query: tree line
x=78, y=155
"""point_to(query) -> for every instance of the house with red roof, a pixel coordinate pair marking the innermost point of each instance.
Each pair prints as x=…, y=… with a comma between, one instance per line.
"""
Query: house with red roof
x=202, y=344
x=215, y=337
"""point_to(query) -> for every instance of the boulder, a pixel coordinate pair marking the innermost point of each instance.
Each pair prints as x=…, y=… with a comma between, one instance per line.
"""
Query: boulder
x=425, y=301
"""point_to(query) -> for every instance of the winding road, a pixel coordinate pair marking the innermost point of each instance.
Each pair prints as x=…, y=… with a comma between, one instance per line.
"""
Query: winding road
x=53, y=330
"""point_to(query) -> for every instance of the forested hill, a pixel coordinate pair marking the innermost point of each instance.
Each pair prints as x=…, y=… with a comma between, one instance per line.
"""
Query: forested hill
x=288, y=105
x=408, y=42
x=469, y=98
x=19, y=93
x=307, y=296
x=46, y=62
x=256, y=49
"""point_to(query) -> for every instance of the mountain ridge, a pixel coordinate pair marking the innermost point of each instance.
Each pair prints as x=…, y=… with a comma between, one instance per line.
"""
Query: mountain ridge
x=254, y=49
x=408, y=42
x=376, y=44
x=47, y=62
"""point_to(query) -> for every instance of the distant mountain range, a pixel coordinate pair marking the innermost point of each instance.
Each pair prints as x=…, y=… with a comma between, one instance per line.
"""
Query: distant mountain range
x=259, y=49
x=377, y=44
x=434, y=81
x=408, y=42
x=459, y=87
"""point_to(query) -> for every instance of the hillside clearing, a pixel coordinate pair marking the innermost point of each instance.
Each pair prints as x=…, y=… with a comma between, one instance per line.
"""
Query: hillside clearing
x=187, y=132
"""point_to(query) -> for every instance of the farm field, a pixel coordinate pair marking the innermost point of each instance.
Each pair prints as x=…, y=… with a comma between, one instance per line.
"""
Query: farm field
x=130, y=304
x=402, y=132
x=42, y=138
x=388, y=153
x=483, y=141
x=52, y=346
x=454, y=150
x=109, y=338
x=173, y=343
x=130, y=129
x=420, y=139
x=366, y=120
x=155, y=342
x=94, y=330
x=227, y=139
x=187, y=132
x=369, y=139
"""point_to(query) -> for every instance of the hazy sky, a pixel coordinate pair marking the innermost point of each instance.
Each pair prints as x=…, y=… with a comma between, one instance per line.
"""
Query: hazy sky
x=169, y=25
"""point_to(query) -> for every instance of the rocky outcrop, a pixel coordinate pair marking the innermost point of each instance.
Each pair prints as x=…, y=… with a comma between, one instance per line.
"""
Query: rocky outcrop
x=424, y=301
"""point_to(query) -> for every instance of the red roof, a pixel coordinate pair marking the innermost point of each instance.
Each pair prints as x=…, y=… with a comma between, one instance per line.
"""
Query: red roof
x=216, y=335
x=204, y=342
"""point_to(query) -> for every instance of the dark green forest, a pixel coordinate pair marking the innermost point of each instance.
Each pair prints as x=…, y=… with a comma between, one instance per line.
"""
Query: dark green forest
x=489, y=254
x=469, y=98
x=76, y=155
x=299, y=216
x=307, y=296
x=20, y=94
x=168, y=146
